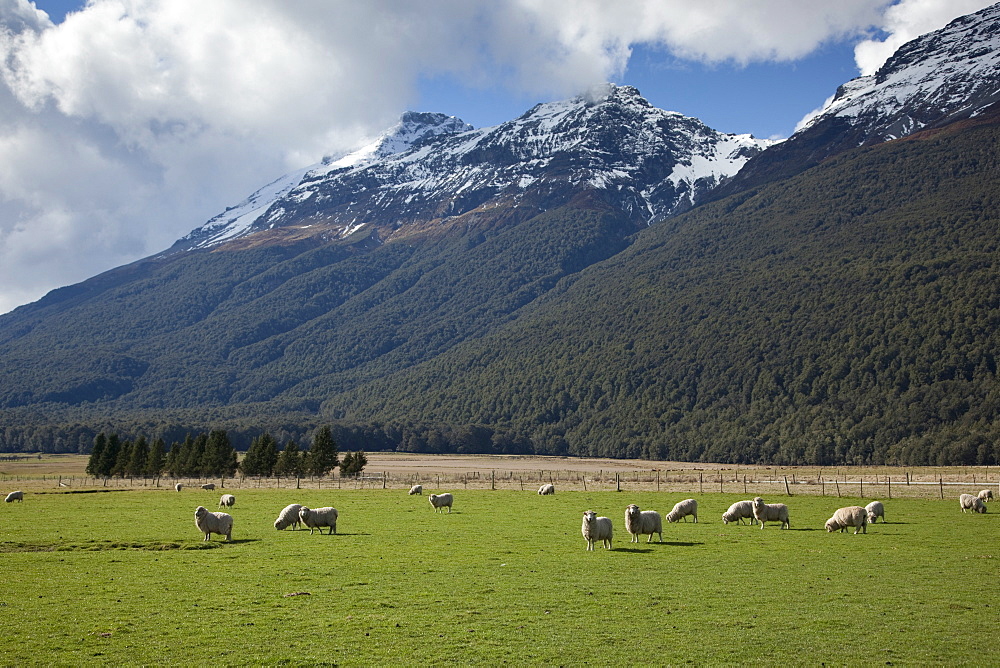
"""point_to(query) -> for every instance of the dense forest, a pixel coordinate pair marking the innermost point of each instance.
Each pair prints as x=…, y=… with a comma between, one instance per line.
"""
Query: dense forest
x=848, y=314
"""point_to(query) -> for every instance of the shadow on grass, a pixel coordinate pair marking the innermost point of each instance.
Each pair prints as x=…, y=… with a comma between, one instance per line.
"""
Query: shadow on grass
x=637, y=550
x=678, y=543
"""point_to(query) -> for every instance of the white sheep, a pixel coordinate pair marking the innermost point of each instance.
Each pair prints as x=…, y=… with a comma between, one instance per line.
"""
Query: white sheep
x=208, y=486
x=770, y=512
x=850, y=516
x=288, y=517
x=973, y=503
x=596, y=529
x=227, y=500
x=417, y=489
x=439, y=501
x=875, y=510
x=15, y=496
x=640, y=522
x=178, y=487
x=986, y=495
x=317, y=518
x=209, y=523
x=682, y=509
x=547, y=489
x=738, y=512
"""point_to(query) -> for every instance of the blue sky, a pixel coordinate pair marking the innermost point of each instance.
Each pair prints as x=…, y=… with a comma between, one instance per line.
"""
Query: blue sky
x=128, y=123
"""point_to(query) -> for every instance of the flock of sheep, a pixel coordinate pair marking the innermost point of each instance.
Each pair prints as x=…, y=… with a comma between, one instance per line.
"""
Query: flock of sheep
x=595, y=529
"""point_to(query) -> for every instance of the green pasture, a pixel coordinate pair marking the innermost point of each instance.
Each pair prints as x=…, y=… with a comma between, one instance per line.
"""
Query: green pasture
x=123, y=577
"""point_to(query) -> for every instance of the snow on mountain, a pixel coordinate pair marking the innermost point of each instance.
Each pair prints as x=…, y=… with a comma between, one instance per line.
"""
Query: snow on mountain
x=433, y=167
x=943, y=75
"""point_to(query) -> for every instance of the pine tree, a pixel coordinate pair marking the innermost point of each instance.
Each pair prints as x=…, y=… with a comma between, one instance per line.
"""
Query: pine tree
x=94, y=463
x=322, y=457
x=290, y=461
x=261, y=456
x=122, y=460
x=219, y=456
x=155, y=464
x=137, y=458
x=109, y=456
x=353, y=464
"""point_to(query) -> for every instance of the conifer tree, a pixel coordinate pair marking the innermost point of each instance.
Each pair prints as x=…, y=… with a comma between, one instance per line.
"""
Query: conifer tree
x=290, y=461
x=322, y=457
x=122, y=460
x=354, y=463
x=94, y=463
x=138, y=457
x=109, y=456
x=261, y=456
x=155, y=464
x=219, y=456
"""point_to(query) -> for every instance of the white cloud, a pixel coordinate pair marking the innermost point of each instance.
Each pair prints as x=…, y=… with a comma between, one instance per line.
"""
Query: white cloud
x=134, y=121
x=908, y=20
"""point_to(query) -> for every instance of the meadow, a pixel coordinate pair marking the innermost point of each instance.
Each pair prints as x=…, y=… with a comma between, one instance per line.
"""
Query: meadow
x=123, y=576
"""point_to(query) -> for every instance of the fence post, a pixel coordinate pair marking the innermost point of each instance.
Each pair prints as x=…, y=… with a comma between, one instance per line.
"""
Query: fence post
x=701, y=483
x=585, y=483
x=941, y=486
x=862, y=479
x=838, y=486
x=720, y=481
x=888, y=481
x=618, y=482
x=493, y=479
x=787, y=491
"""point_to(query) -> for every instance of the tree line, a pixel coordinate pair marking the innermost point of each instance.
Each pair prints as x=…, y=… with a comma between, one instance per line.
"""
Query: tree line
x=212, y=454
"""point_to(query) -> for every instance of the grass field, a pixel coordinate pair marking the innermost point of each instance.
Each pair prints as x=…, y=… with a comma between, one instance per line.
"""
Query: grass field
x=124, y=577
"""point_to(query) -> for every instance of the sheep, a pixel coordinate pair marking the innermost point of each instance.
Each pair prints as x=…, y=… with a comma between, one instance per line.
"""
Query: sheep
x=738, y=512
x=178, y=487
x=227, y=500
x=417, y=489
x=596, y=529
x=288, y=517
x=317, y=518
x=851, y=516
x=875, y=510
x=682, y=509
x=209, y=523
x=770, y=512
x=639, y=522
x=209, y=486
x=547, y=489
x=439, y=501
x=986, y=495
x=15, y=496
x=973, y=503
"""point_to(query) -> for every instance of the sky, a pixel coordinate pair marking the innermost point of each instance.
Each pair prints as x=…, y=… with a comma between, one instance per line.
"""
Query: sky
x=125, y=124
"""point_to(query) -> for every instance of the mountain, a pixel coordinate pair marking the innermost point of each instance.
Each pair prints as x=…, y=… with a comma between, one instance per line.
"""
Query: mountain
x=939, y=78
x=589, y=278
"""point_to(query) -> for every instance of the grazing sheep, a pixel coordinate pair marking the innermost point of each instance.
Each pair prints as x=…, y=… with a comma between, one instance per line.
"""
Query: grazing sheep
x=986, y=495
x=439, y=501
x=227, y=500
x=875, y=510
x=209, y=523
x=417, y=489
x=682, y=509
x=288, y=517
x=547, y=489
x=738, y=512
x=208, y=486
x=640, y=522
x=851, y=516
x=770, y=512
x=973, y=503
x=15, y=496
x=178, y=487
x=318, y=518
x=596, y=529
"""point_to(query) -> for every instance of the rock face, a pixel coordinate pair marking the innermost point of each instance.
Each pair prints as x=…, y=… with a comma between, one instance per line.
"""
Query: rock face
x=432, y=168
x=944, y=76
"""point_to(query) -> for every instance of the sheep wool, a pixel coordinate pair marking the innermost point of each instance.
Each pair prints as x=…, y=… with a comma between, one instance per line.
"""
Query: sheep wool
x=15, y=496
x=682, y=509
x=875, y=510
x=209, y=523
x=227, y=500
x=971, y=502
x=850, y=516
x=986, y=495
x=417, y=489
x=208, y=486
x=770, y=512
x=738, y=512
x=547, y=489
x=317, y=518
x=288, y=517
x=178, y=487
x=641, y=522
x=439, y=501
x=596, y=529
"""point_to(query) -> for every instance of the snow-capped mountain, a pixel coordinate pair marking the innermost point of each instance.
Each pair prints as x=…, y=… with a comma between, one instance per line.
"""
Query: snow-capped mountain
x=432, y=168
x=938, y=78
